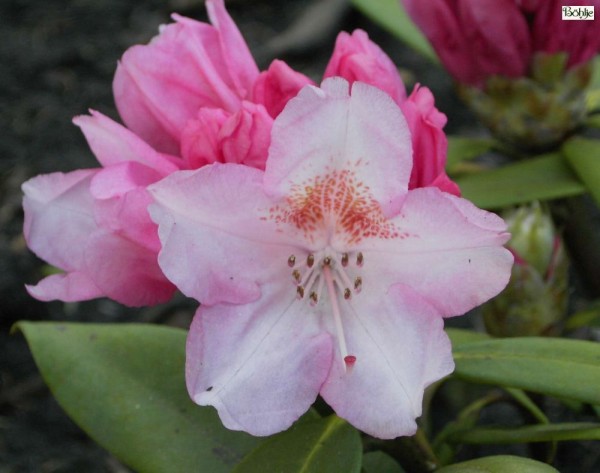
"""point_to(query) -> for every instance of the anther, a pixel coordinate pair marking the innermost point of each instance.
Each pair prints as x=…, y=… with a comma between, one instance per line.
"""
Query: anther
x=347, y=293
x=291, y=261
x=314, y=298
x=296, y=274
x=327, y=261
x=359, y=259
x=358, y=283
x=310, y=260
x=300, y=291
x=345, y=260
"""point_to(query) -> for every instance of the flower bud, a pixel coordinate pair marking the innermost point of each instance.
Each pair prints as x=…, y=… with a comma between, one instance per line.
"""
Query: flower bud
x=535, y=300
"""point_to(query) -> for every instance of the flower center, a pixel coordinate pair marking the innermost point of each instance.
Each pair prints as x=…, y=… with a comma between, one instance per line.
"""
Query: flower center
x=329, y=270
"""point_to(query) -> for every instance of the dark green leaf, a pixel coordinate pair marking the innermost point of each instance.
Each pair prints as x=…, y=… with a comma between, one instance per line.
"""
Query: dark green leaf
x=584, y=157
x=379, y=462
x=541, y=178
x=391, y=15
x=319, y=446
x=530, y=433
x=553, y=366
x=124, y=385
x=499, y=464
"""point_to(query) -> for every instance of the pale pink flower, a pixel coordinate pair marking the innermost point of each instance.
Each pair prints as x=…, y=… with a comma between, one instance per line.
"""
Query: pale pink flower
x=324, y=274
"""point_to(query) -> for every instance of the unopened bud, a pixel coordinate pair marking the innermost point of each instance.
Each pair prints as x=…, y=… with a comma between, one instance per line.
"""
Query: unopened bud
x=535, y=300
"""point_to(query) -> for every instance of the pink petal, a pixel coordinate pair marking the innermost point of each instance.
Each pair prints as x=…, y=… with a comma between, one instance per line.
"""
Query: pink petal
x=125, y=271
x=119, y=179
x=400, y=348
x=440, y=24
x=356, y=58
x=159, y=87
x=218, y=241
x=498, y=36
x=113, y=144
x=238, y=58
x=448, y=251
x=260, y=364
x=218, y=136
x=276, y=86
x=70, y=287
x=59, y=217
x=325, y=130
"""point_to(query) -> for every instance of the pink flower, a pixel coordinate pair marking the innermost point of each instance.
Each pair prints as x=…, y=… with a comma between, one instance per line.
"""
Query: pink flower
x=192, y=97
x=93, y=224
x=551, y=34
x=324, y=274
x=475, y=38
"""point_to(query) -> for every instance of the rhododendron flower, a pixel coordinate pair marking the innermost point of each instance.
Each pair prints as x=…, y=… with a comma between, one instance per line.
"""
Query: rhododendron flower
x=476, y=39
x=324, y=274
x=191, y=97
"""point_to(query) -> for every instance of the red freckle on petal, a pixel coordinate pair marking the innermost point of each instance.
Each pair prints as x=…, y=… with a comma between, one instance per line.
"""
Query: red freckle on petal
x=349, y=360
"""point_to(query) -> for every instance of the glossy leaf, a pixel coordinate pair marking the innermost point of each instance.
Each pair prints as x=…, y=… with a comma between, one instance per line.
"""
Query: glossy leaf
x=124, y=385
x=461, y=148
x=320, y=446
x=583, y=155
x=390, y=14
x=552, y=366
x=530, y=433
x=499, y=464
x=541, y=178
x=379, y=462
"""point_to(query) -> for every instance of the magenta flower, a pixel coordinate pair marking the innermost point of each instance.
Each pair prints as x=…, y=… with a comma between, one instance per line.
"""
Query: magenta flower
x=324, y=274
x=476, y=39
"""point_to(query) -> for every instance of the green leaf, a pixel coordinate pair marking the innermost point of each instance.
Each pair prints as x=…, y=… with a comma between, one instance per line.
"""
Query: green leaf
x=459, y=336
x=586, y=318
x=124, y=385
x=530, y=433
x=499, y=464
x=461, y=148
x=541, y=178
x=583, y=155
x=319, y=446
x=390, y=14
x=379, y=462
x=552, y=366
x=593, y=121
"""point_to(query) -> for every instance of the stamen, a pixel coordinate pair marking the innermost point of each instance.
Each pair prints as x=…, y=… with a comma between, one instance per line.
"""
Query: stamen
x=310, y=260
x=291, y=261
x=327, y=261
x=358, y=284
x=296, y=274
x=314, y=298
x=344, y=277
x=359, y=259
x=347, y=293
x=345, y=260
x=337, y=319
x=300, y=292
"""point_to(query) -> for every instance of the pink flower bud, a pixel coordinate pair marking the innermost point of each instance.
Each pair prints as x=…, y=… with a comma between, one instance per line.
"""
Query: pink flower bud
x=277, y=85
x=429, y=141
x=355, y=57
x=218, y=136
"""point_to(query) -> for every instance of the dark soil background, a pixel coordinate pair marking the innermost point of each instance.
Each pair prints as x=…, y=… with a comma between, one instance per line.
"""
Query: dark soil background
x=57, y=59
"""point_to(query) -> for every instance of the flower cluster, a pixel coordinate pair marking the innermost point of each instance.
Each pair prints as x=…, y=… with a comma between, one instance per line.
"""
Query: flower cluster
x=316, y=225
x=192, y=97
x=476, y=39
